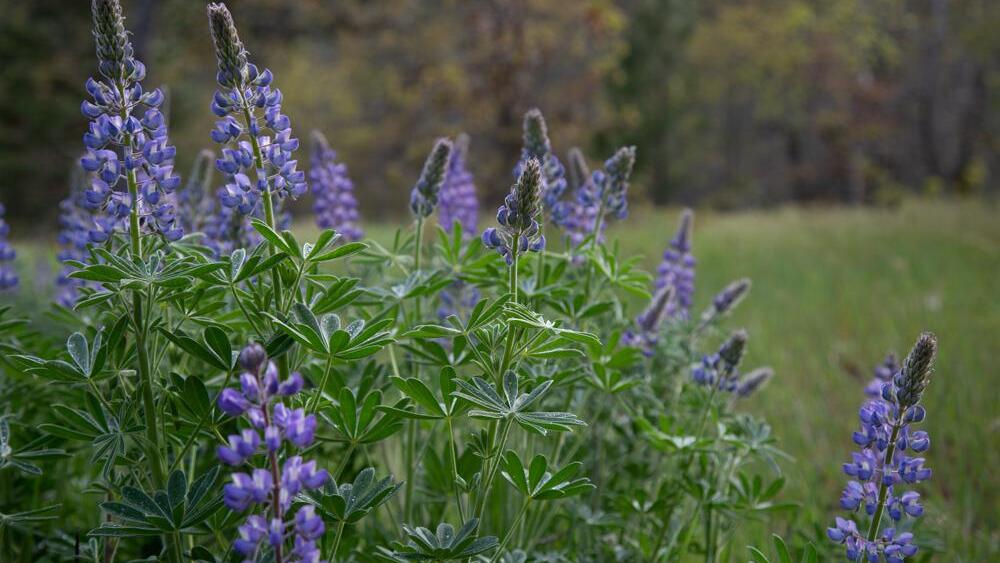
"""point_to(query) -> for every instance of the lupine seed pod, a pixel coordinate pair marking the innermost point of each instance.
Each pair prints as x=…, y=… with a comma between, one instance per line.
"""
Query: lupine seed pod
x=425, y=193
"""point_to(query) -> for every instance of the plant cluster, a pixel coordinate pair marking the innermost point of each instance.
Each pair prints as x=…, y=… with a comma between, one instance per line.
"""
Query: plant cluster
x=232, y=394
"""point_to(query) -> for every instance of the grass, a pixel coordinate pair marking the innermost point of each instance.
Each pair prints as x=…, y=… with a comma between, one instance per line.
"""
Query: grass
x=834, y=291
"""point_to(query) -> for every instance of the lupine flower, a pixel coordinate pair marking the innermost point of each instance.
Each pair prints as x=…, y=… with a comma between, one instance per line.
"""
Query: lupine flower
x=883, y=374
x=575, y=215
x=646, y=333
x=537, y=146
x=268, y=489
x=226, y=229
x=335, y=206
x=257, y=137
x=427, y=190
x=8, y=277
x=753, y=381
x=519, y=230
x=197, y=201
x=127, y=139
x=609, y=187
x=677, y=269
x=726, y=300
x=459, y=203
x=719, y=370
x=883, y=463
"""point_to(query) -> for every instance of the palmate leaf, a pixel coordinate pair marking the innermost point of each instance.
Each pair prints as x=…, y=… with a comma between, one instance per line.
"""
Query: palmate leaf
x=350, y=502
x=358, y=422
x=445, y=544
x=18, y=458
x=537, y=483
x=28, y=519
x=180, y=507
x=514, y=405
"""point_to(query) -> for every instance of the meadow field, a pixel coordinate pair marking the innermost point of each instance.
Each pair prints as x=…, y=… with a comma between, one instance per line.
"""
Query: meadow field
x=834, y=290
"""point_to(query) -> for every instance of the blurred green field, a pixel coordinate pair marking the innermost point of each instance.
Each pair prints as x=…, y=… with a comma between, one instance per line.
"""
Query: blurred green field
x=834, y=291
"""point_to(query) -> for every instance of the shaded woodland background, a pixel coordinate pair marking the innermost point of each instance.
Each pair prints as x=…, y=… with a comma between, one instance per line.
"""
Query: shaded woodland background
x=732, y=103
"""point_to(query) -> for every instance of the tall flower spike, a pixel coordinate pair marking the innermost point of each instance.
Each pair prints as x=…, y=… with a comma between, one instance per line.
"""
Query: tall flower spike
x=196, y=199
x=720, y=369
x=75, y=223
x=884, y=464
x=425, y=193
x=726, y=300
x=257, y=157
x=459, y=203
x=577, y=215
x=537, y=146
x=270, y=490
x=519, y=231
x=677, y=269
x=127, y=142
x=8, y=277
x=335, y=206
x=646, y=333
x=608, y=190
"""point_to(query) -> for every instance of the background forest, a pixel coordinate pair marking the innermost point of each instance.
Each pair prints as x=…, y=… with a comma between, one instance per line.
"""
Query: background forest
x=732, y=103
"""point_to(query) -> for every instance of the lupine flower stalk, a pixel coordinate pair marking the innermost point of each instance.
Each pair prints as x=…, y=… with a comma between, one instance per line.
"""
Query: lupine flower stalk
x=719, y=370
x=8, y=277
x=576, y=216
x=257, y=137
x=268, y=491
x=677, y=270
x=646, y=333
x=725, y=301
x=334, y=204
x=128, y=151
x=536, y=145
x=197, y=200
x=884, y=463
x=426, y=192
x=75, y=222
x=518, y=217
x=459, y=203
x=609, y=188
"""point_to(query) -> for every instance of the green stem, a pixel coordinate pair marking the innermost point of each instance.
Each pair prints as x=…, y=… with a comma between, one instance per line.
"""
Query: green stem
x=336, y=541
x=322, y=386
x=883, y=490
x=510, y=531
x=454, y=470
x=494, y=466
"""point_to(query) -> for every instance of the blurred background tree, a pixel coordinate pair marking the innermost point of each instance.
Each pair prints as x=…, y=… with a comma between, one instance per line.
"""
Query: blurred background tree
x=731, y=102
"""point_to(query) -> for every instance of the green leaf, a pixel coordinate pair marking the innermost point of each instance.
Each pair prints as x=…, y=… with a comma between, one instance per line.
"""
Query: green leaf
x=78, y=350
x=779, y=545
x=340, y=252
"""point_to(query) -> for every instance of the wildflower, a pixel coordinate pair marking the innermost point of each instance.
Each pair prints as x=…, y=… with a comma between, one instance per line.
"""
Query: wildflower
x=458, y=193
x=425, y=193
x=609, y=188
x=537, y=146
x=257, y=137
x=8, y=278
x=519, y=231
x=271, y=488
x=883, y=464
x=677, y=269
x=128, y=152
x=575, y=216
x=335, y=206
x=753, y=381
x=719, y=370
x=646, y=333
x=726, y=300
x=883, y=374
x=196, y=199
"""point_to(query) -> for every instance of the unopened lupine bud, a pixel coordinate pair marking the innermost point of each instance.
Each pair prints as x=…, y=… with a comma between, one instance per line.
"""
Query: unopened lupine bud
x=733, y=349
x=229, y=51
x=754, y=381
x=114, y=50
x=424, y=196
x=915, y=374
x=252, y=357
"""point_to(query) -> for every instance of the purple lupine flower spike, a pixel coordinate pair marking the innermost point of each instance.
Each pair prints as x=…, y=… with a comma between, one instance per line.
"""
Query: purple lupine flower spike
x=75, y=220
x=335, y=205
x=269, y=490
x=459, y=203
x=883, y=374
x=725, y=301
x=537, y=146
x=426, y=192
x=257, y=158
x=577, y=215
x=127, y=137
x=719, y=370
x=677, y=269
x=518, y=217
x=884, y=462
x=646, y=333
x=8, y=277
x=197, y=198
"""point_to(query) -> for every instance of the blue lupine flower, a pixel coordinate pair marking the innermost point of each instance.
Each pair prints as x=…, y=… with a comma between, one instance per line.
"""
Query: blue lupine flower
x=426, y=192
x=608, y=188
x=575, y=215
x=537, y=146
x=646, y=333
x=518, y=217
x=883, y=463
x=677, y=270
x=257, y=137
x=226, y=229
x=75, y=222
x=726, y=300
x=335, y=206
x=127, y=137
x=259, y=400
x=883, y=374
x=719, y=370
x=459, y=203
x=197, y=199
x=8, y=277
